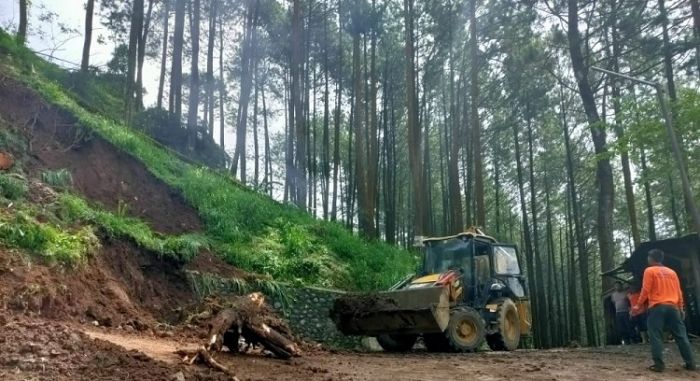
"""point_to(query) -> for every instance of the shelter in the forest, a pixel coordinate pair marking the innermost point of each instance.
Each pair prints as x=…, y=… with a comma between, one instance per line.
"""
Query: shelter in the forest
x=683, y=256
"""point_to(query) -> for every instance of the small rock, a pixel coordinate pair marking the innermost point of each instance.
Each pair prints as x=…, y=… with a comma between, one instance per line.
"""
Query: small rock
x=96, y=323
x=179, y=376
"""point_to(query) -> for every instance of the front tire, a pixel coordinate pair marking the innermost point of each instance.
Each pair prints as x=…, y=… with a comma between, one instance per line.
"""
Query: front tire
x=397, y=343
x=466, y=330
x=507, y=335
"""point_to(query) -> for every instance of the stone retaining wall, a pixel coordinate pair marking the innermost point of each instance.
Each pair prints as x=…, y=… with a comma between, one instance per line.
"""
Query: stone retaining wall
x=305, y=308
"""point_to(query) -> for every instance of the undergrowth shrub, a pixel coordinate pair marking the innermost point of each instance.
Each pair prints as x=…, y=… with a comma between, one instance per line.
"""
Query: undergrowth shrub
x=12, y=186
x=60, y=178
x=53, y=243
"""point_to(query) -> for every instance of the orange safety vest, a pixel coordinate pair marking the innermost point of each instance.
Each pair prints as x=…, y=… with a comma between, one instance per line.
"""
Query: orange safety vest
x=660, y=286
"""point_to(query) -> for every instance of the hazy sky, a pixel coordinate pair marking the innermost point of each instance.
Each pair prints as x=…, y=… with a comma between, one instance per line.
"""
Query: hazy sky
x=47, y=38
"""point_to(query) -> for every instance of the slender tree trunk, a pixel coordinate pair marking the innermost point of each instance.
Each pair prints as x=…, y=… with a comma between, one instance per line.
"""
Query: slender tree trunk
x=695, y=11
x=647, y=197
x=256, y=148
x=222, y=84
x=164, y=52
x=193, y=108
x=674, y=207
x=476, y=125
x=619, y=132
x=175, y=103
x=22, y=30
x=604, y=176
x=142, y=40
x=297, y=102
x=325, y=153
x=336, y=129
x=134, y=37
x=210, y=67
x=538, y=289
x=667, y=52
x=414, y=130
x=526, y=236
x=247, y=64
x=89, y=11
x=574, y=322
x=456, y=221
x=268, y=153
x=579, y=238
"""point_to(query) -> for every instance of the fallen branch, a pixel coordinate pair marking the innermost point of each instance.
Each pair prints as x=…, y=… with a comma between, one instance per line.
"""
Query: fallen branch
x=202, y=355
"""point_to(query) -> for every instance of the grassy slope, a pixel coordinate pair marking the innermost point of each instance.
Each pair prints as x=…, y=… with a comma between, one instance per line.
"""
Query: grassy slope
x=246, y=228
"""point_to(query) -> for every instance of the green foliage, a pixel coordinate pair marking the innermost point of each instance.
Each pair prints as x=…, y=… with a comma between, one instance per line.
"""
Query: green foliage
x=51, y=242
x=60, y=178
x=12, y=186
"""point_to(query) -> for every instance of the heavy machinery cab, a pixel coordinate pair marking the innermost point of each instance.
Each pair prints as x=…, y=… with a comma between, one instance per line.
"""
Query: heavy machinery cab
x=489, y=270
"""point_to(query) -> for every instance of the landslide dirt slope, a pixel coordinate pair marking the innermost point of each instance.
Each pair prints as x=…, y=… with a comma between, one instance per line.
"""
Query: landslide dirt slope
x=101, y=172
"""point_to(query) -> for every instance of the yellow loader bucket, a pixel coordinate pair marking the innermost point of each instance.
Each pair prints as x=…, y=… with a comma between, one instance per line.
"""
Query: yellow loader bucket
x=412, y=310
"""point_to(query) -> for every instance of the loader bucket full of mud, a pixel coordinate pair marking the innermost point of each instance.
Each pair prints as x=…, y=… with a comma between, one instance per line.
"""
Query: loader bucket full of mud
x=406, y=311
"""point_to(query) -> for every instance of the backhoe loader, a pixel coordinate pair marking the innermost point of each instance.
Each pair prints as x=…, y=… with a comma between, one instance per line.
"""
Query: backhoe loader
x=469, y=290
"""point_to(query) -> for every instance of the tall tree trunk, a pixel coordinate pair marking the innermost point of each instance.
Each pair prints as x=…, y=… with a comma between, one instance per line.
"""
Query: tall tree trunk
x=574, y=322
x=325, y=152
x=248, y=58
x=143, y=40
x=22, y=30
x=89, y=11
x=268, y=153
x=538, y=289
x=256, y=148
x=134, y=37
x=175, y=102
x=210, y=67
x=414, y=130
x=619, y=132
x=604, y=176
x=164, y=52
x=297, y=101
x=667, y=52
x=373, y=143
x=695, y=11
x=476, y=125
x=579, y=238
x=526, y=236
x=192, y=110
x=455, y=143
x=336, y=129
x=647, y=197
x=222, y=84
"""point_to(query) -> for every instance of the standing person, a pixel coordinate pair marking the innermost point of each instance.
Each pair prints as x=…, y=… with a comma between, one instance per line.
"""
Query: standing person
x=638, y=318
x=661, y=290
x=622, y=313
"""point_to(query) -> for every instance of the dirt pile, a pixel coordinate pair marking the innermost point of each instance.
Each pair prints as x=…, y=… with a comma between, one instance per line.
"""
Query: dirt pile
x=121, y=286
x=100, y=171
x=52, y=351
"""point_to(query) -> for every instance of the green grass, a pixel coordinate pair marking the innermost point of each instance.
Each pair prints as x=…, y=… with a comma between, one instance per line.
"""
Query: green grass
x=52, y=243
x=245, y=228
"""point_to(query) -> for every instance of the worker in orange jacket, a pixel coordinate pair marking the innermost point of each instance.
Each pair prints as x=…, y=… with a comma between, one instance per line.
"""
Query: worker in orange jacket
x=661, y=292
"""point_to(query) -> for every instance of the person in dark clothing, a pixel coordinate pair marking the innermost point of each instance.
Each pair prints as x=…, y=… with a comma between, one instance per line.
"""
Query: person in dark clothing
x=661, y=292
x=638, y=318
x=622, y=313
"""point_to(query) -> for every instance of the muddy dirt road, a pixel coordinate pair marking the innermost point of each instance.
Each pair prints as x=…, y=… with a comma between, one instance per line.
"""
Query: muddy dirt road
x=614, y=363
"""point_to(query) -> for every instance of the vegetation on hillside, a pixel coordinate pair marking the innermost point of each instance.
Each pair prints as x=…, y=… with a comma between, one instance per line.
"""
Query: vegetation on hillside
x=246, y=228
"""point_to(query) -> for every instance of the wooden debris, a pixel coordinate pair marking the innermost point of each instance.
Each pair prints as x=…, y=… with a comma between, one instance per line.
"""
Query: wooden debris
x=202, y=355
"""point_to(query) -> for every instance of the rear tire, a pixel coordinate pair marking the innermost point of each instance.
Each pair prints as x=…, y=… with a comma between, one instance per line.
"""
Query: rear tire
x=507, y=337
x=466, y=330
x=397, y=343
